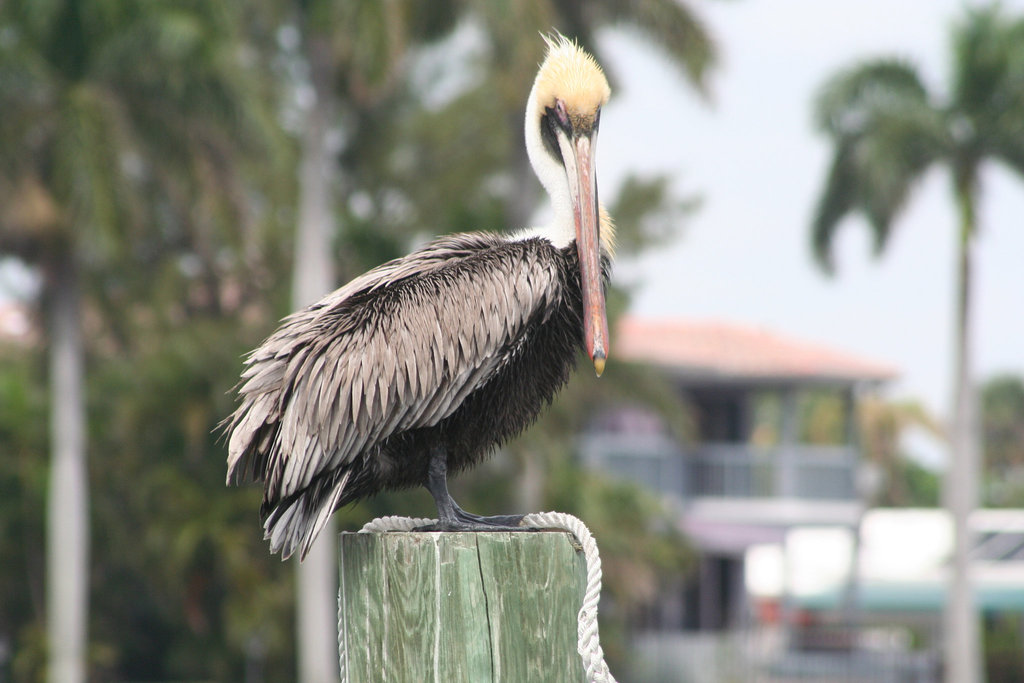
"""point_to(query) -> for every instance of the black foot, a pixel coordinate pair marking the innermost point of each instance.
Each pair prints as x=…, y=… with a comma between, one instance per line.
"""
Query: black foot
x=468, y=526
x=451, y=517
x=466, y=521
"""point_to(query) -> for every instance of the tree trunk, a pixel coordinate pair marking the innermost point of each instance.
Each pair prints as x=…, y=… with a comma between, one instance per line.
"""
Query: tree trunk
x=67, y=553
x=963, y=640
x=316, y=578
x=530, y=488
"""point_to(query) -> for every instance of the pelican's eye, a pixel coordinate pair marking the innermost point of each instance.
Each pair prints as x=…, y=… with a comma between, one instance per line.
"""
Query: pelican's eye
x=563, y=115
x=555, y=119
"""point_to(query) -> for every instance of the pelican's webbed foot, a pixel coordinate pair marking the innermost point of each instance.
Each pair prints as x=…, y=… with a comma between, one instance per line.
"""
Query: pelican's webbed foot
x=451, y=517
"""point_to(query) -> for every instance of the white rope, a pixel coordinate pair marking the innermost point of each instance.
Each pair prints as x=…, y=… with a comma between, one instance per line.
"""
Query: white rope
x=588, y=642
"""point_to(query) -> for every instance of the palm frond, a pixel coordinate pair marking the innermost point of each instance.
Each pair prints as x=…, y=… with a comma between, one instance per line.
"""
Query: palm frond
x=1008, y=147
x=648, y=213
x=886, y=132
x=87, y=171
x=26, y=100
x=847, y=101
x=988, y=85
x=836, y=200
x=982, y=55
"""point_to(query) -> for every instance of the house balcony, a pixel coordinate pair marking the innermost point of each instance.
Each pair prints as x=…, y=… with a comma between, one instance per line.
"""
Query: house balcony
x=732, y=471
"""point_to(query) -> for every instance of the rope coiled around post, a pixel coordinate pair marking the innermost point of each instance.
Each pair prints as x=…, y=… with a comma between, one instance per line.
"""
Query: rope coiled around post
x=588, y=641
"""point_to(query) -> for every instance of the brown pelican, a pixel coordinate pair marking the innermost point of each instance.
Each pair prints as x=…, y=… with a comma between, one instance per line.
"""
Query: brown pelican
x=426, y=363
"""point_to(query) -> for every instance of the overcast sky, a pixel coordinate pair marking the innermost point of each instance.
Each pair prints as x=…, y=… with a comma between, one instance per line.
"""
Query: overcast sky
x=754, y=157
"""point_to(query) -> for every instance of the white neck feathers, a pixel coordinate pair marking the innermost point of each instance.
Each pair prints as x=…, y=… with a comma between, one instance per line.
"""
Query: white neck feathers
x=561, y=231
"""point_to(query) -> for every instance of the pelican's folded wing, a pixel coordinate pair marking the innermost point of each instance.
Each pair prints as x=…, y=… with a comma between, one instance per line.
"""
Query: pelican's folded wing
x=396, y=349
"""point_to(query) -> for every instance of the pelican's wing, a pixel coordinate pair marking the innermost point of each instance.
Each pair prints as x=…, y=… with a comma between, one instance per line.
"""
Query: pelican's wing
x=397, y=348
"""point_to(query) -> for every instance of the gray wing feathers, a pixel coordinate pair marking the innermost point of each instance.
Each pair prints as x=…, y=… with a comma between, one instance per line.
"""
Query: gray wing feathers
x=295, y=526
x=340, y=376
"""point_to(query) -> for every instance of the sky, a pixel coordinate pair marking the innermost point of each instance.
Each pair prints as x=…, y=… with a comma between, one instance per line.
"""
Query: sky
x=753, y=156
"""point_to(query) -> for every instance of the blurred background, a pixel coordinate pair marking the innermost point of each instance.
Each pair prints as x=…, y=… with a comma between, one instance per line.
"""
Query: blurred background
x=762, y=463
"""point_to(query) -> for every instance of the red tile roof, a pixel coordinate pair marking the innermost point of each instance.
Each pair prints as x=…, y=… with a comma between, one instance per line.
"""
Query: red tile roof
x=15, y=323
x=727, y=350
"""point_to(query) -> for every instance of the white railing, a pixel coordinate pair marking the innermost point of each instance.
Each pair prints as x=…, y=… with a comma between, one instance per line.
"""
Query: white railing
x=759, y=656
x=726, y=469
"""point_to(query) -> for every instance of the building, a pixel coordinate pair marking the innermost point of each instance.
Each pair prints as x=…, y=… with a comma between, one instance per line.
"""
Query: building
x=772, y=446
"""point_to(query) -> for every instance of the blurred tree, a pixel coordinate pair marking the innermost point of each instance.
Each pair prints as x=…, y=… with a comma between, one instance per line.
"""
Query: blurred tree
x=87, y=137
x=22, y=496
x=821, y=417
x=883, y=427
x=185, y=588
x=887, y=129
x=1003, y=633
x=1002, y=410
x=1002, y=424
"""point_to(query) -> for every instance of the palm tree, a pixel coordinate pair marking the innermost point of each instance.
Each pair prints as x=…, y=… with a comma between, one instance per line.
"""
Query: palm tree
x=110, y=109
x=883, y=425
x=887, y=130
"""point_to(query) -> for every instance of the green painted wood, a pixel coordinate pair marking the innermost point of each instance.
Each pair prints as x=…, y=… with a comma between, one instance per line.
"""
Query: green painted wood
x=461, y=607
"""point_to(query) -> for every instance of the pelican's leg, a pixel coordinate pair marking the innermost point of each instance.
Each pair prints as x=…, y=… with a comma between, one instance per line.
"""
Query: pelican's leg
x=450, y=517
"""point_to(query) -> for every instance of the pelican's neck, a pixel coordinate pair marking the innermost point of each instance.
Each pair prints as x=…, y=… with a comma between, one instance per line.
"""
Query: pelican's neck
x=561, y=230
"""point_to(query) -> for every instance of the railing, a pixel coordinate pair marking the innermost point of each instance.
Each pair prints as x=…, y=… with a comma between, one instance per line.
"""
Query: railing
x=726, y=469
x=746, y=471
x=759, y=654
x=651, y=460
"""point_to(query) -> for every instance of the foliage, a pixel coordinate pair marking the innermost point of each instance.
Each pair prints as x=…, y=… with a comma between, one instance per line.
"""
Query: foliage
x=911, y=484
x=883, y=429
x=822, y=417
x=22, y=496
x=1002, y=410
x=208, y=588
x=647, y=214
x=1002, y=423
x=182, y=586
x=1003, y=633
x=93, y=154
x=124, y=130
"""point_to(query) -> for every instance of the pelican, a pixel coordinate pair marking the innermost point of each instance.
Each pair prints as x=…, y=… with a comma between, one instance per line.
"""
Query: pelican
x=423, y=365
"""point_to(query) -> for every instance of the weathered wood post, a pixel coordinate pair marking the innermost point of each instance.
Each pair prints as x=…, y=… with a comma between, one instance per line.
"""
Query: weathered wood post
x=451, y=607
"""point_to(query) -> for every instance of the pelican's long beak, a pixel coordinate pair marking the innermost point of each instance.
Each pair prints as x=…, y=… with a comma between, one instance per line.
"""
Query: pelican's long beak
x=583, y=191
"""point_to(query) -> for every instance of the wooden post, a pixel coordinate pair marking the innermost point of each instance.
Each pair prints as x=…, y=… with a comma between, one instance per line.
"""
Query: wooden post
x=450, y=607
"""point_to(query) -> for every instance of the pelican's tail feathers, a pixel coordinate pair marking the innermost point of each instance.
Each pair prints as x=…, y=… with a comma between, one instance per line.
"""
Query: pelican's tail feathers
x=295, y=522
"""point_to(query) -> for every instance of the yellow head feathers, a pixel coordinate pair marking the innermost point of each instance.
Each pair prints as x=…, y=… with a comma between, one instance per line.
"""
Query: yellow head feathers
x=571, y=75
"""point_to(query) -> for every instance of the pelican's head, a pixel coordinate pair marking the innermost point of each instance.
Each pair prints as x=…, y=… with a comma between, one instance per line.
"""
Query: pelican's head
x=562, y=117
